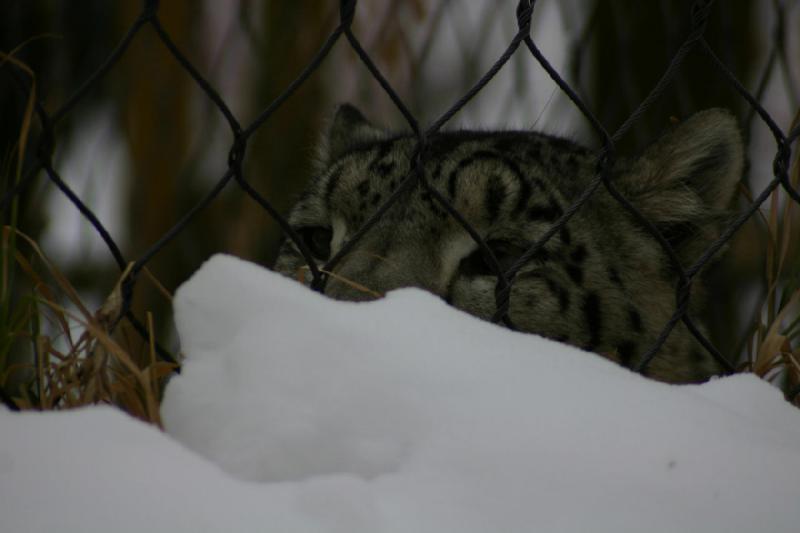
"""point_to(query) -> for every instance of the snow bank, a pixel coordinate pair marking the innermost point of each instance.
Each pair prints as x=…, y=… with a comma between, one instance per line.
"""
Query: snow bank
x=402, y=415
x=99, y=470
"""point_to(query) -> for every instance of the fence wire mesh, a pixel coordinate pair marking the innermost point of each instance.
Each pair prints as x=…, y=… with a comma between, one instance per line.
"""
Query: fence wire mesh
x=684, y=41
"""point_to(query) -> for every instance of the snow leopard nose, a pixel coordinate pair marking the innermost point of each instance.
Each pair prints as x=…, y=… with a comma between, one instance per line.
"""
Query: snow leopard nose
x=364, y=276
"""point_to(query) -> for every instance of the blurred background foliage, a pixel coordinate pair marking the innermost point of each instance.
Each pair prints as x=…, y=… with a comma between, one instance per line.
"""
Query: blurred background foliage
x=174, y=143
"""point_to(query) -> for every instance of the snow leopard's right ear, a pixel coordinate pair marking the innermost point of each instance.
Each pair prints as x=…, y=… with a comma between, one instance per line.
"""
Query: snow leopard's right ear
x=348, y=130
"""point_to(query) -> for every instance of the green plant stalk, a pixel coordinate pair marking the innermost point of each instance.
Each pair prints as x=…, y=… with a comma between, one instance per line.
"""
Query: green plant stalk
x=7, y=252
x=773, y=266
x=8, y=247
x=35, y=329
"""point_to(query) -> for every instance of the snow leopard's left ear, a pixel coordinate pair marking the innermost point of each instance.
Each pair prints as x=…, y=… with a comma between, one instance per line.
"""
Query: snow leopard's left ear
x=348, y=130
x=685, y=181
x=690, y=172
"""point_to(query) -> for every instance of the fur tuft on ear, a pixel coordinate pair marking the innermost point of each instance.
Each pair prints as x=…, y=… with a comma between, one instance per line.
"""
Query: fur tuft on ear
x=348, y=129
x=686, y=180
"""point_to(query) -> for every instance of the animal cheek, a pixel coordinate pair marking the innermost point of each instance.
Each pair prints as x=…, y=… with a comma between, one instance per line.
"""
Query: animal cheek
x=473, y=295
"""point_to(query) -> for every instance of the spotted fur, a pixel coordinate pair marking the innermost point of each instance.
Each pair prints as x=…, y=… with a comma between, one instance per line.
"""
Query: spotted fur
x=601, y=283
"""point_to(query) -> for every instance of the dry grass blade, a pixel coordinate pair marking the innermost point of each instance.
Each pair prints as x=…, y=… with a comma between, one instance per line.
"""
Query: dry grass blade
x=301, y=275
x=773, y=351
x=775, y=343
x=58, y=276
x=140, y=391
x=94, y=367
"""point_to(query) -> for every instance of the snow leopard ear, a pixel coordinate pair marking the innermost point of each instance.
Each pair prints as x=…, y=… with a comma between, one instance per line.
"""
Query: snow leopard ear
x=686, y=180
x=348, y=130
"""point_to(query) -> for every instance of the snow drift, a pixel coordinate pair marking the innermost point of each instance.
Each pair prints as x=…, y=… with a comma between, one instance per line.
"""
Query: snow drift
x=401, y=415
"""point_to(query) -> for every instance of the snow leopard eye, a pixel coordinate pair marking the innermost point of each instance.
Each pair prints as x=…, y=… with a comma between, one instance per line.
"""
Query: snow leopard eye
x=317, y=239
x=475, y=264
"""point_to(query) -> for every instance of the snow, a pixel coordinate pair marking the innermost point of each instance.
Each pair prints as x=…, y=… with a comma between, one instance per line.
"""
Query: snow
x=298, y=413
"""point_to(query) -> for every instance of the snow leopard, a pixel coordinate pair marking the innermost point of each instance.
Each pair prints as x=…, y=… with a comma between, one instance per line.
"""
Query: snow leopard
x=602, y=283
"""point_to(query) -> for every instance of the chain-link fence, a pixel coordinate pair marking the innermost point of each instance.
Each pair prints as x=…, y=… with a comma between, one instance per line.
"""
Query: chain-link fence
x=685, y=41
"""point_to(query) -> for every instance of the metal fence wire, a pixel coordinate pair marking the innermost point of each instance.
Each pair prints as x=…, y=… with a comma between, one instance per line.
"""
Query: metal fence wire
x=522, y=42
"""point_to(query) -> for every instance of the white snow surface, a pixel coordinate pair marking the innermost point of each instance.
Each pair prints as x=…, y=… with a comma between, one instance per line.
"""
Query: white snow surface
x=298, y=413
